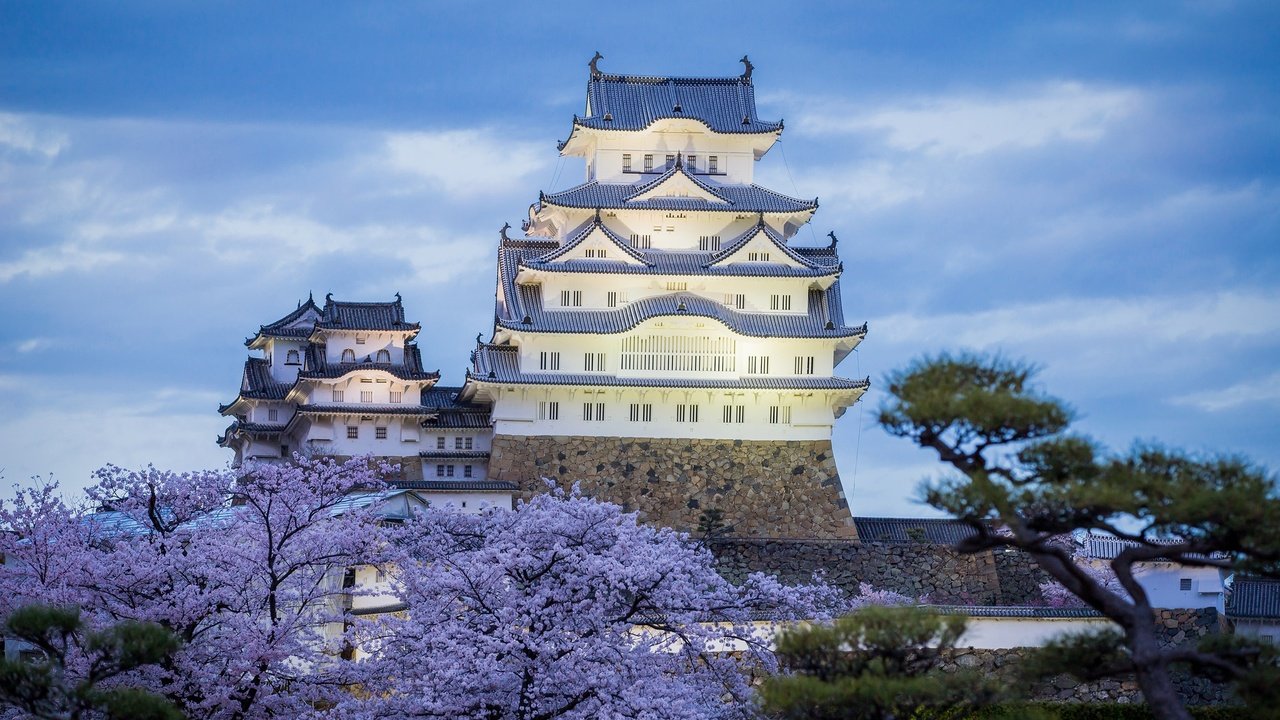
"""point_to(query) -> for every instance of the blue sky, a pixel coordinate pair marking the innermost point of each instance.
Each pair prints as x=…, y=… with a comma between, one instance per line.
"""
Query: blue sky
x=1095, y=188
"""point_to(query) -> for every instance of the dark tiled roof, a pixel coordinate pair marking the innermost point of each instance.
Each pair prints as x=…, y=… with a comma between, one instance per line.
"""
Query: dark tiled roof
x=363, y=409
x=452, y=414
x=584, y=233
x=280, y=328
x=237, y=428
x=1254, y=598
x=454, y=454
x=634, y=102
x=256, y=383
x=318, y=367
x=364, y=316
x=1015, y=611
x=499, y=363
x=777, y=240
x=459, y=485
x=616, y=196
x=911, y=530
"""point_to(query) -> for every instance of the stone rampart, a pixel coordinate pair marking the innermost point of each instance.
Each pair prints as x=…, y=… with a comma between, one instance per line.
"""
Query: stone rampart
x=786, y=489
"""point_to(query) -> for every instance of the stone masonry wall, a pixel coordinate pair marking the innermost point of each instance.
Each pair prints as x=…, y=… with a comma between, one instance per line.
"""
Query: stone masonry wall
x=787, y=489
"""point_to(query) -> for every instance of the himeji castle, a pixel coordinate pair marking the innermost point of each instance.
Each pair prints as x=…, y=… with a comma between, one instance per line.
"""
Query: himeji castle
x=658, y=336
x=346, y=379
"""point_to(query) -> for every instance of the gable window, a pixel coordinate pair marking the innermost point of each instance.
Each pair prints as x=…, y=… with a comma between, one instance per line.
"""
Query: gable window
x=648, y=163
x=548, y=360
x=593, y=411
x=291, y=358
x=780, y=415
x=804, y=364
x=713, y=164
x=735, y=413
x=593, y=362
x=549, y=410
x=337, y=395
x=273, y=415
x=757, y=364
x=641, y=412
x=758, y=257
x=595, y=252
x=384, y=356
x=570, y=298
x=687, y=413
x=353, y=432
x=380, y=433
x=676, y=286
x=779, y=302
x=709, y=242
x=397, y=396
x=626, y=162
x=348, y=355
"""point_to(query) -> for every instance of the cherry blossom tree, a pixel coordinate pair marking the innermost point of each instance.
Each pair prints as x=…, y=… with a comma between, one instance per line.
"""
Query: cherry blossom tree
x=568, y=608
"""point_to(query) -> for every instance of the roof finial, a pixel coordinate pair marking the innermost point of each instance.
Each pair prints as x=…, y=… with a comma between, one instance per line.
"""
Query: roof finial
x=832, y=235
x=746, y=74
x=328, y=298
x=311, y=296
x=595, y=71
x=597, y=216
x=760, y=219
x=679, y=160
x=503, y=232
x=478, y=335
x=397, y=297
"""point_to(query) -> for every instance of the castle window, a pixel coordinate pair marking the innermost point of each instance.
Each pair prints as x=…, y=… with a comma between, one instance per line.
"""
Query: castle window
x=758, y=257
x=273, y=415
x=687, y=413
x=692, y=163
x=440, y=443
x=643, y=242
x=348, y=355
x=548, y=360
x=671, y=161
x=804, y=364
x=384, y=356
x=366, y=396
x=758, y=365
x=466, y=471
x=353, y=432
x=397, y=396
x=595, y=252
x=292, y=358
x=360, y=339
x=686, y=354
x=593, y=411
x=466, y=443
x=641, y=412
x=735, y=300
x=713, y=164
x=593, y=362
x=648, y=163
x=611, y=299
x=380, y=433
x=1184, y=584
x=677, y=286
x=709, y=242
x=735, y=413
x=780, y=415
x=626, y=162
x=549, y=410
x=337, y=395
x=284, y=451
x=779, y=302
x=570, y=298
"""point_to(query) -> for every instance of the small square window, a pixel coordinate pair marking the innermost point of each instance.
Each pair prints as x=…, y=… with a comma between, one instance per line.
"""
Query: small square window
x=380, y=433
x=1184, y=584
x=273, y=414
x=353, y=432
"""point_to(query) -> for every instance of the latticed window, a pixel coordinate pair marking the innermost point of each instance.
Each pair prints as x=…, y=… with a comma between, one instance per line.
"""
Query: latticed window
x=593, y=411
x=593, y=362
x=757, y=364
x=644, y=242
x=709, y=242
x=676, y=286
x=780, y=414
x=679, y=353
x=273, y=415
x=735, y=300
x=397, y=396
x=735, y=413
x=348, y=355
x=338, y=395
x=384, y=356
x=648, y=163
x=440, y=442
x=713, y=164
x=548, y=360
x=549, y=410
x=626, y=162
x=570, y=298
x=595, y=253
x=779, y=302
x=366, y=396
x=641, y=412
x=687, y=413
x=466, y=471
x=353, y=432
x=691, y=162
x=380, y=433
x=804, y=364
x=291, y=358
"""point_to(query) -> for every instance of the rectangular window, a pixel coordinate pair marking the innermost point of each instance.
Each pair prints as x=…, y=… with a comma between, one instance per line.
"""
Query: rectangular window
x=593, y=411
x=735, y=413
x=648, y=163
x=397, y=396
x=380, y=433
x=549, y=360
x=735, y=300
x=595, y=252
x=549, y=410
x=693, y=163
x=626, y=162
x=466, y=471
x=337, y=396
x=758, y=256
x=676, y=286
x=284, y=451
x=467, y=443
x=644, y=242
x=353, y=432
x=671, y=161
x=366, y=396
x=757, y=364
x=273, y=415
x=457, y=443
x=570, y=298
x=779, y=302
x=713, y=164
x=709, y=243
x=611, y=299
x=780, y=415
x=804, y=364
x=593, y=362
x=678, y=353
x=359, y=340
x=448, y=471
x=1184, y=584
x=641, y=412
x=687, y=413
x=440, y=443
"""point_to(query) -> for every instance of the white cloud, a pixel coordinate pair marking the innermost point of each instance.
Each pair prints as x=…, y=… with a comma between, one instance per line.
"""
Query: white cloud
x=961, y=125
x=20, y=133
x=33, y=344
x=466, y=163
x=1257, y=390
x=66, y=257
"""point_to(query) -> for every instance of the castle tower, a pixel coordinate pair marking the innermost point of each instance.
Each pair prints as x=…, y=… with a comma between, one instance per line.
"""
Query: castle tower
x=347, y=379
x=658, y=337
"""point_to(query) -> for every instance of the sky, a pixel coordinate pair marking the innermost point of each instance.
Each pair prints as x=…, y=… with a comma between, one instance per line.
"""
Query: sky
x=1090, y=187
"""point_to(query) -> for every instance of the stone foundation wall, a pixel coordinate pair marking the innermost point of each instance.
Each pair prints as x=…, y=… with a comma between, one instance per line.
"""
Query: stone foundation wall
x=785, y=489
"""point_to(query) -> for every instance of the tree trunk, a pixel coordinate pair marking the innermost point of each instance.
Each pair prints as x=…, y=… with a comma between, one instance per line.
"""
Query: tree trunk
x=1153, y=673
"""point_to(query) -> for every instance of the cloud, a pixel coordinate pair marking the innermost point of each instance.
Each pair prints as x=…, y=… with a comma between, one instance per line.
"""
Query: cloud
x=1256, y=390
x=67, y=257
x=973, y=124
x=19, y=133
x=33, y=344
x=466, y=163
